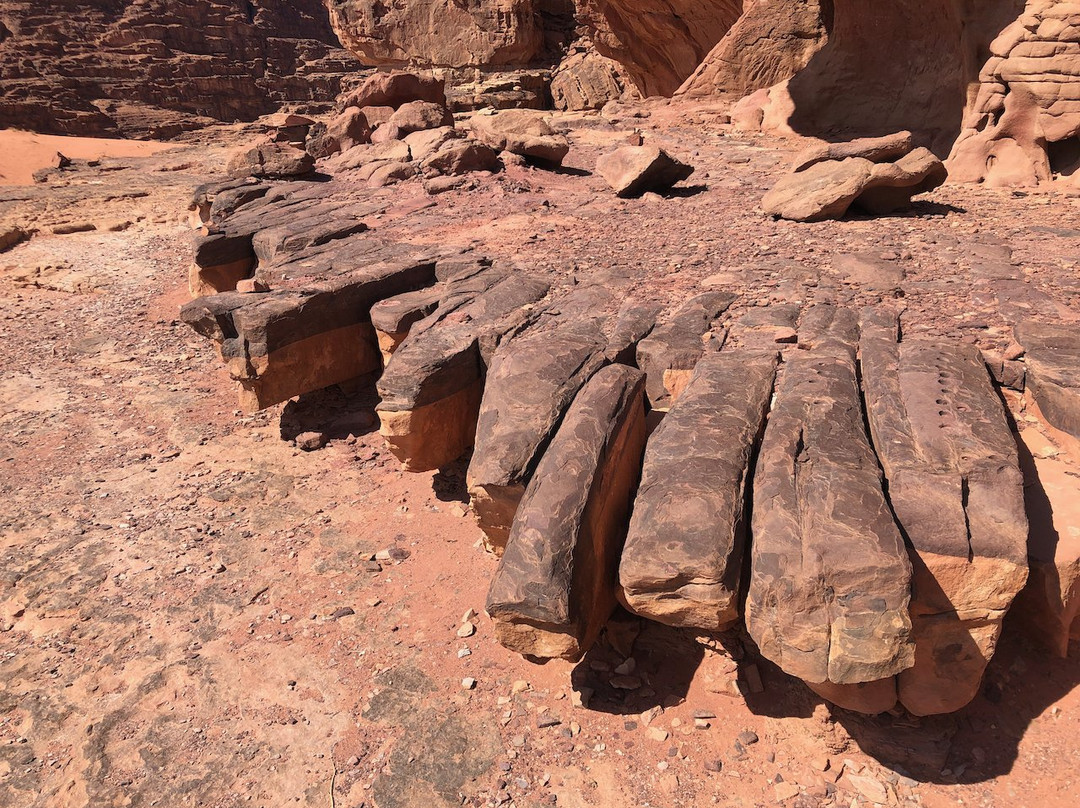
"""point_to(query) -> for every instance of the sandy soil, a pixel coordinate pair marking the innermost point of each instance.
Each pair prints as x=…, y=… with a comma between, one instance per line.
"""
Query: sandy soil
x=194, y=612
x=23, y=153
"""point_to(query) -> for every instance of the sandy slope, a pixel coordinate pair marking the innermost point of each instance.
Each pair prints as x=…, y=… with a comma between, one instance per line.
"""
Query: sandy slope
x=23, y=153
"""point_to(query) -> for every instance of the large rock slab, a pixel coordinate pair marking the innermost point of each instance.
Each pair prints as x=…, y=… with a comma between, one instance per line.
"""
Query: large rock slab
x=555, y=586
x=532, y=380
x=830, y=576
x=1047, y=610
x=955, y=486
x=683, y=558
x=668, y=355
x=432, y=386
x=1052, y=355
x=633, y=170
x=290, y=341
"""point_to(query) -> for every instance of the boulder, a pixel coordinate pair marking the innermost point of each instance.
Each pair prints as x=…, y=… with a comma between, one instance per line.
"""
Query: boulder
x=521, y=132
x=826, y=190
x=10, y=235
x=668, y=355
x=395, y=89
x=393, y=317
x=586, y=80
x=633, y=170
x=830, y=576
x=424, y=143
x=391, y=174
x=684, y=552
x=886, y=149
x=417, y=116
x=432, y=387
x=350, y=128
x=955, y=486
x=461, y=157
x=554, y=589
x=271, y=161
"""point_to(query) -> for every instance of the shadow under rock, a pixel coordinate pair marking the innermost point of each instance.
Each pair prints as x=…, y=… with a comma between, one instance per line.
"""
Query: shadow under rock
x=338, y=411
x=666, y=660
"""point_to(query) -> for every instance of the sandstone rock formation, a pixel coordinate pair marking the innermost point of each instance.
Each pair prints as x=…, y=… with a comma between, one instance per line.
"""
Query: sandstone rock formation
x=769, y=43
x=955, y=486
x=532, y=380
x=829, y=585
x=826, y=190
x=432, y=387
x=587, y=80
x=633, y=170
x=439, y=34
x=153, y=68
x=669, y=354
x=1052, y=358
x=555, y=586
x=682, y=563
x=521, y=132
x=1023, y=126
x=658, y=42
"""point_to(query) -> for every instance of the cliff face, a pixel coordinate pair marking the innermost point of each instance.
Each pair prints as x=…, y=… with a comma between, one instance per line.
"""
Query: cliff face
x=155, y=67
x=437, y=33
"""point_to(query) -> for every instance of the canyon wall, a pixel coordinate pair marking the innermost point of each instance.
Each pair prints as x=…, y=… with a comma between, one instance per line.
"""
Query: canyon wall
x=140, y=68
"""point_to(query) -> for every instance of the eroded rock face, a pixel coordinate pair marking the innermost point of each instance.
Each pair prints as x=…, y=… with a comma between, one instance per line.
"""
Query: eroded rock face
x=658, y=42
x=153, y=68
x=439, y=34
x=1024, y=124
x=769, y=43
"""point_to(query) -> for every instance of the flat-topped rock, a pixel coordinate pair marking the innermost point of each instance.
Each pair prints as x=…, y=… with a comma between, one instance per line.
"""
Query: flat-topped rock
x=532, y=380
x=555, y=586
x=432, y=386
x=289, y=341
x=683, y=558
x=522, y=132
x=830, y=576
x=955, y=486
x=669, y=353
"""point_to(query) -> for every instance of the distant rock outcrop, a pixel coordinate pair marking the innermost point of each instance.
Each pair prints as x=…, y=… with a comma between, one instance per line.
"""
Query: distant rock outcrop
x=154, y=68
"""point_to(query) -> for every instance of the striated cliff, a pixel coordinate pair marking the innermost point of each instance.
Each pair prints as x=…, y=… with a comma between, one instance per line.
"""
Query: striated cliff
x=153, y=68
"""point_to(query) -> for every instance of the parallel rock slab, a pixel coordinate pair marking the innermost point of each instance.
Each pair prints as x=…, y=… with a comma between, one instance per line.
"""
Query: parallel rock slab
x=669, y=353
x=555, y=586
x=1053, y=370
x=532, y=381
x=432, y=387
x=683, y=557
x=830, y=576
x=1048, y=608
x=955, y=486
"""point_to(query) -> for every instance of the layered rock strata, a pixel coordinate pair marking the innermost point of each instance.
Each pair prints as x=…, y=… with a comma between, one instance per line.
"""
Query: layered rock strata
x=154, y=68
